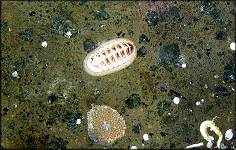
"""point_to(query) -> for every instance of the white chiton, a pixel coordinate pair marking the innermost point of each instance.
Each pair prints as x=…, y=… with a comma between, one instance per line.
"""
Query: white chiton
x=111, y=56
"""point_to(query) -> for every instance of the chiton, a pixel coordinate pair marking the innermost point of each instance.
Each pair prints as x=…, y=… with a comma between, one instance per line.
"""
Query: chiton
x=109, y=57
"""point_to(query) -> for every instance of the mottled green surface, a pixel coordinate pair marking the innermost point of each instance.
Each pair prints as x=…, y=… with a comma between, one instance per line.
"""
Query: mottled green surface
x=39, y=109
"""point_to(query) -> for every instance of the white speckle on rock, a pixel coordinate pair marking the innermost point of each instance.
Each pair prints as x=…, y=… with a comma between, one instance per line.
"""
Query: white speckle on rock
x=216, y=76
x=182, y=61
x=176, y=100
x=44, y=44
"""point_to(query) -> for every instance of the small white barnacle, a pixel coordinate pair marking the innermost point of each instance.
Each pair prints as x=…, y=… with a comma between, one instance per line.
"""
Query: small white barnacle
x=203, y=129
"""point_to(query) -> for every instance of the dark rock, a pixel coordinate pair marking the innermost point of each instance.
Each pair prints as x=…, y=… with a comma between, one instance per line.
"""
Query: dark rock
x=187, y=140
x=195, y=19
x=143, y=39
x=174, y=11
x=215, y=13
x=168, y=56
x=27, y=34
x=225, y=23
x=208, y=108
x=153, y=68
x=181, y=19
x=12, y=125
x=221, y=54
x=164, y=134
x=141, y=52
x=71, y=118
x=101, y=15
x=133, y=101
x=40, y=118
x=206, y=29
x=57, y=26
x=199, y=55
x=221, y=91
x=81, y=3
x=162, y=89
x=120, y=34
x=221, y=35
x=4, y=26
x=130, y=32
x=20, y=64
x=47, y=136
x=32, y=13
x=72, y=125
x=152, y=19
x=60, y=27
x=5, y=109
x=89, y=45
x=233, y=12
x=209, y=8
x=52, y=98
x=68, y=115
x=50, y=121
x=154, y=145
x=57, y=143
x=208, y=51
x=136, y=128
x=172, y=145
x=163, y=106
x=229, y=73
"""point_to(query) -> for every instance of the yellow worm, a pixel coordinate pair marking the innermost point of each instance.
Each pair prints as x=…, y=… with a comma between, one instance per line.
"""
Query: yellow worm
x=210, y=124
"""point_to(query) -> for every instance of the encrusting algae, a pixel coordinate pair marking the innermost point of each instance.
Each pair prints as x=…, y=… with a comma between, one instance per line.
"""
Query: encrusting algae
x=105, y=125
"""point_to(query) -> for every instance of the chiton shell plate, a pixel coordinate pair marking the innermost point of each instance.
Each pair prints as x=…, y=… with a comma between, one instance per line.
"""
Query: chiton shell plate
x=109, y=57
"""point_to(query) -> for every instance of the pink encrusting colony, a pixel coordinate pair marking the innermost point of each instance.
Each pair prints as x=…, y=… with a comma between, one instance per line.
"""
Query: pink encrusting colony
x=110, y=57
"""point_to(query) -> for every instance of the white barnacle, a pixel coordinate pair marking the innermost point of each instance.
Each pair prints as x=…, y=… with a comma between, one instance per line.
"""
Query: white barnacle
x=15, y=74
x=44, y=44
x=133, y=147
x=78, y=121
x=145, y=137
x=68, y=34
x=229, y=134
x=176, y=100
x=203, y=129
x=232, y=46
